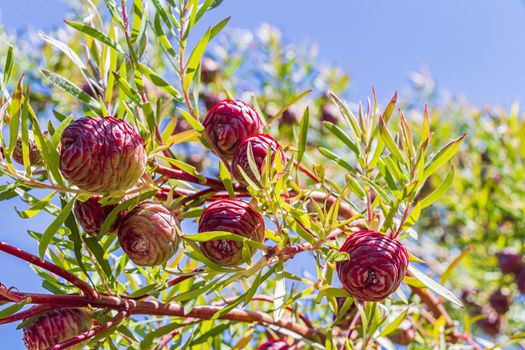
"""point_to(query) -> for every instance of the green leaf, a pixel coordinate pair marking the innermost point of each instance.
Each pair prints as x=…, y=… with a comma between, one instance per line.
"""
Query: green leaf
x=195, y=59
x=443, y=156
x=70, y=88
x=16, y=107
x=11, y=309
x=194, y=123
x=71, y=224
x=347, y=114
x=125, y=205
x=439, y=191
x=95, y=34
x=157, y=333
x=341, y=135
x=436, y=287
x=279, y=292
x=389, y=141
x=216, y=235
x=162, y=38
x=96, y=249
x=211, y=333
x=224, y=175
x=333, y=255
x=394, y=324
x=454, y=263
x=128, y=90
x=303, y=134
x=36, y=208
x=53, y=228
x=390, y=108
x=8, y=66
x=25, y=134
x=162, y=13
x=68, y=51
x=49, y=152
x=336, y=159
x=216, y=29
x=253, y=166
x=288, y=105
x=112, y=7
x=160, y=83
x=57, y=135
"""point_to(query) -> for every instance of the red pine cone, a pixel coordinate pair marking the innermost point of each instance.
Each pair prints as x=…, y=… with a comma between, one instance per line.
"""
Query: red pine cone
x=520, y=279
x=329, y=113
x=260, y=144
x=405, y=333
x=500, y=301
x=148, y=234
x=274, y=344
x=55, y=327
x=289, y=117
x=102, y=154
x=35, y=157
x=211, y=99
x=491, y=324
x=234, y=216
x=509, y=261
x=376, y=266
x=228, y=123
x=210, y=69
x=91, y=214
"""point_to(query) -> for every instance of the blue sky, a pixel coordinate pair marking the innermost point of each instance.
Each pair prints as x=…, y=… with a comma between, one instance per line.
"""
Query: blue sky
x=474, y=48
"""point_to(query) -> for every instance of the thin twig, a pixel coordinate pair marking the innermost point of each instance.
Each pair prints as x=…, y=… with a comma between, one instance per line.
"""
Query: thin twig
x=34, y=311
x=169, y=309
x=183, y=176
x=57, y=270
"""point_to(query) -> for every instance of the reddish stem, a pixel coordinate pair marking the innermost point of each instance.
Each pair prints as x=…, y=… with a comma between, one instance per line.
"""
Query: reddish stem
x=114, y=322
x=169, y=309
x=30, y=258
x=172, y=283
x=34, y=311
x=307, y=172
x=183, y=176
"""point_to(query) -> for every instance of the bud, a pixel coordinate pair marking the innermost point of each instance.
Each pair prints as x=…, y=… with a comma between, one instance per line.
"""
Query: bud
x=35, y=157
x=520, y=279
x=91, y=215
x=500, y=301
x=102, y=154
x=491, y=324
x=211, y=99
x=228, y=123
x=289, y=117
x=329, y=113
x=375, y=268
x=260, y=144
x=55, y=327
x=234, y=216
x=148, y=234
x=274, y=344
x=210, y=69
x=509, y=261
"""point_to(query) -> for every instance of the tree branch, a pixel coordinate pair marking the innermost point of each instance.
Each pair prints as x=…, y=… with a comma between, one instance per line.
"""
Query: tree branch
x=168, y=309
x=34, y=260
x=183, y=176
x=34, y=311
